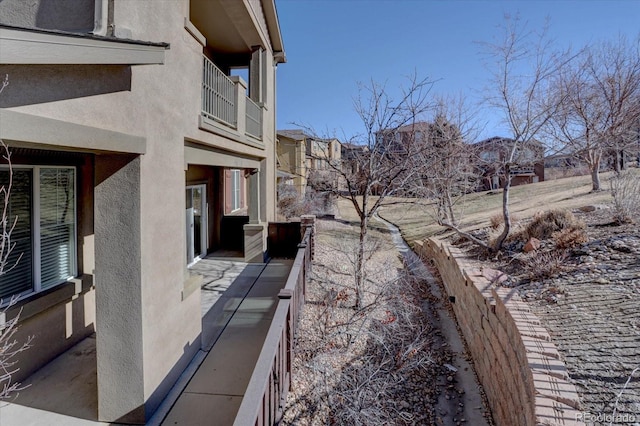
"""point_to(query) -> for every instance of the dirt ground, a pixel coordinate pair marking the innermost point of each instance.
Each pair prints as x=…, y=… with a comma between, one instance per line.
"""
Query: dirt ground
x=387, y=364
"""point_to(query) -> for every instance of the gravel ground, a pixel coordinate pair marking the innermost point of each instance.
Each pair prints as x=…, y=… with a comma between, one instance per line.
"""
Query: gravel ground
x=384, y=364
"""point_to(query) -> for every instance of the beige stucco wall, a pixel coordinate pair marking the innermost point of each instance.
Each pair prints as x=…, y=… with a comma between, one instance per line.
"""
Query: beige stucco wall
x=292, y=158
x=67, y=15
x=162, y=104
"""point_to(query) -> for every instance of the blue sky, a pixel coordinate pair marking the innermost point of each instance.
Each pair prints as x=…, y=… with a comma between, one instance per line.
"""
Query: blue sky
x=331, y=45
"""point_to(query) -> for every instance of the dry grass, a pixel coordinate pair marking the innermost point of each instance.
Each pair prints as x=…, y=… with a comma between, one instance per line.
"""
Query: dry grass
x=625, y=189
x=545, y=224
x=477, y=209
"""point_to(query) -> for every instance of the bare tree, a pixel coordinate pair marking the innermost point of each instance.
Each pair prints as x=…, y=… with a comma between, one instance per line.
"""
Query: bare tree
x=599, y=111
x=9, y=346
x=446, y=159
x=381, y=162
x=523, y=66
x=385, y=165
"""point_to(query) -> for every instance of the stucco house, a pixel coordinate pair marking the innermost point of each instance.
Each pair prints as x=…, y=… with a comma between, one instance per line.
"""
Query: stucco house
x=292, y=158
x=134, y=139
x=491, y=154
x=323, y=154
x=314, y=161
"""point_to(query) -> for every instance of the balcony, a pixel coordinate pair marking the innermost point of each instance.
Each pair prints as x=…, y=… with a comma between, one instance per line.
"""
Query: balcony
x=523, y=170
x=226, y=106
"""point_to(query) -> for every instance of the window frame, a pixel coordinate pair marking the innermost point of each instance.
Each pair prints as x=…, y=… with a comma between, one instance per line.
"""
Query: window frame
x=36, y=234
x=236, y=190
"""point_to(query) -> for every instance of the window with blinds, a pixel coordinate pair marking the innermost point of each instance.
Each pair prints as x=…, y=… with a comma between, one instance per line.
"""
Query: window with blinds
x=235, y=190
x=42, y=203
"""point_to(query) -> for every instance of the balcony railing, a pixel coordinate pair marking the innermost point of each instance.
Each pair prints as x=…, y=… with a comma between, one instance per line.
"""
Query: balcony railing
x=523, y=170
x=266, y=393
x=254, y=119
x=224, y=101
x=218, y=95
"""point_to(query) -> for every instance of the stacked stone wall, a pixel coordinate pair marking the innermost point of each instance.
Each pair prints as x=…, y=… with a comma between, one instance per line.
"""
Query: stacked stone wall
x=521, y=371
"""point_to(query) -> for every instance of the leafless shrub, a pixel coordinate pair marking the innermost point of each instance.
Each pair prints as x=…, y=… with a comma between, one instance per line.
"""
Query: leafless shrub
x=361, y=365
x=289, y=202
x=625, y=189
x=496, y=220
x=542, y=265
x=398, y=348
x=545, y=224
x=9, y=346
x=9, y=350
x=569, y=238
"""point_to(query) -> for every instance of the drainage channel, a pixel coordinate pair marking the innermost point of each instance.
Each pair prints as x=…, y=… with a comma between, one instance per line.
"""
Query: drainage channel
x=460, y=401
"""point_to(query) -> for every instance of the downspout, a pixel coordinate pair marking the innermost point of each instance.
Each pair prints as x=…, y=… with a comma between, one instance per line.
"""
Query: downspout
x=103, y=18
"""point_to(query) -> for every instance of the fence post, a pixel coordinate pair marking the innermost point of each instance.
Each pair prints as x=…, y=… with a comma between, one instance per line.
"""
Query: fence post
x=309, y=221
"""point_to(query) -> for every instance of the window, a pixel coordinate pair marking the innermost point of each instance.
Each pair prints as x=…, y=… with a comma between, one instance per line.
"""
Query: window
x=489, y=156
x=527, y=155
x=235, y=190
x=43, y=205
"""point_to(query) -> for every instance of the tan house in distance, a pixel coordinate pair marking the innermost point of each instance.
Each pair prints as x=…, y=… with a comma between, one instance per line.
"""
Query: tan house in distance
x=136, y=146
x=292, y=158
x=323, y=154
x=309, y=158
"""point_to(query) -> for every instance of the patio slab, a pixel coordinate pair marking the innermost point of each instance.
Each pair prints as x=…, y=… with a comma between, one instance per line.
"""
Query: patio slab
x=223, y=376
x=211, y=388
x=204, y=409
x=57, y=394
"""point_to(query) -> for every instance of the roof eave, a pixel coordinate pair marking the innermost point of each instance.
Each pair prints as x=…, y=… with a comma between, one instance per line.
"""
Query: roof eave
x=32, y=46
x=273, y=25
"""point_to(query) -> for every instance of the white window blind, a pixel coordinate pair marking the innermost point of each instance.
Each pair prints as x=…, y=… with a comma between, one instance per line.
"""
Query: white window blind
x=57, y=225
x=43, y=200
x=235, y=189
x=17, y=271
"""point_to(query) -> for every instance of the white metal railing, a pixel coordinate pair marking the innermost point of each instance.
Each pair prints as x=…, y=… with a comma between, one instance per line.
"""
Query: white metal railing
x=522, y=170
x=218, y=95
x=254, y=119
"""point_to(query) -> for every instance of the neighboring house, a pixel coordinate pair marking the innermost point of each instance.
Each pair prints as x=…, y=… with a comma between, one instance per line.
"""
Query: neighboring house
x=292, y=159
x=322, y=154
x=528, y=166
x=324, y=163
x=115, y=110
x=352, y=157
x=404, y=139
x=318, y=165
x=564, y=165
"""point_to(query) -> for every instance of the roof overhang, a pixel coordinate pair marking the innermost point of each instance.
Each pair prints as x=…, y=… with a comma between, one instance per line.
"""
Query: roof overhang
x=271, y=16
x=27, y=46
x=233, y=27
x=208, y=156
x=32, y=131
x=284, y=175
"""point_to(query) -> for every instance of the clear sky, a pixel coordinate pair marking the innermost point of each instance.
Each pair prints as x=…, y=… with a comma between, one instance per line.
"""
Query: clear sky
x=331, y=45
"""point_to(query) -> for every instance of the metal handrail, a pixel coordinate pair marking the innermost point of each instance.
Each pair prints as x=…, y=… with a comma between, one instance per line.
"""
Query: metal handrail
x=254, y=119
x=218, y=95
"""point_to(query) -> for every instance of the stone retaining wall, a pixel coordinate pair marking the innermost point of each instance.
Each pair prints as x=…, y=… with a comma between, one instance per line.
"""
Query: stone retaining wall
x=523, y=376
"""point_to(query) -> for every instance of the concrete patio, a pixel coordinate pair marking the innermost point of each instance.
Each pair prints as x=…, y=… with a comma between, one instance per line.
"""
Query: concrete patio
x=233, y=332
x=238, y=302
